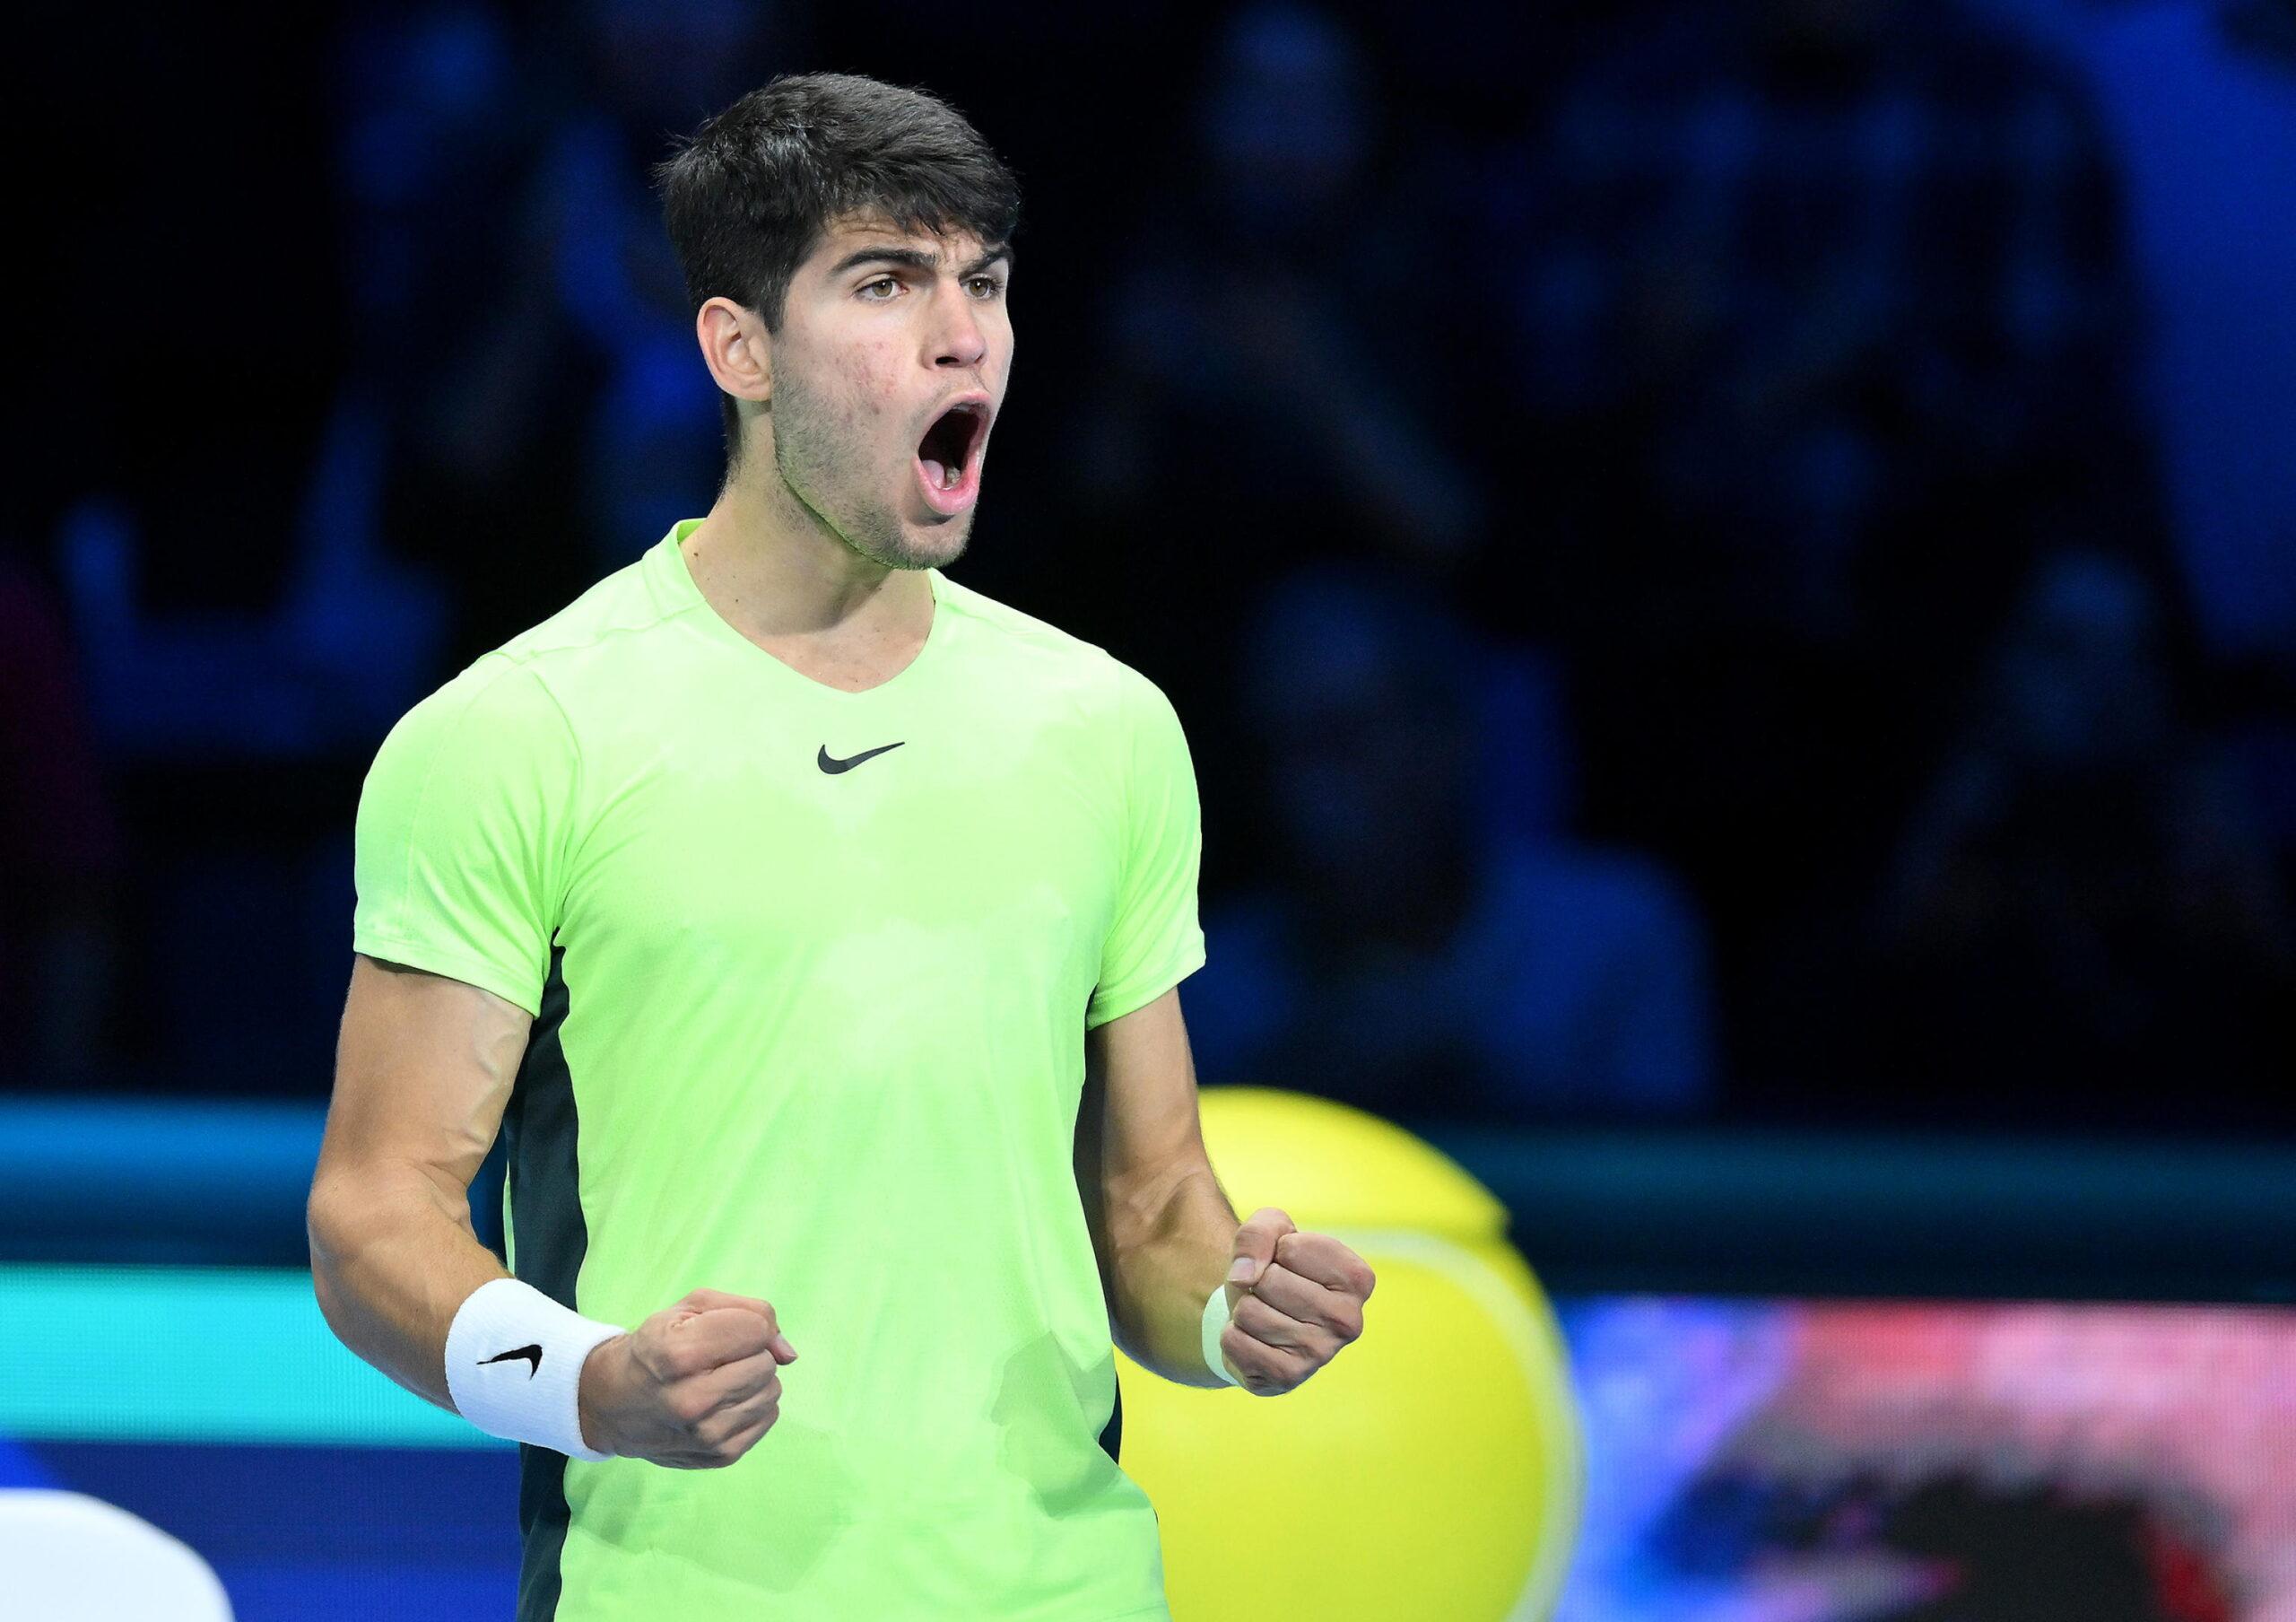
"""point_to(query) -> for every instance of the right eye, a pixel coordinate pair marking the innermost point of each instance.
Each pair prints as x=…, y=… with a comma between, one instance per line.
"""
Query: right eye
x=880, y=281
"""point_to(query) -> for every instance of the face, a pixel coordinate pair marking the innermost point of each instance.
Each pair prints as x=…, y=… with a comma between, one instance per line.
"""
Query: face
x=1286, y=120
x=887, y=376
x=2082, y=672
x=1329, y=693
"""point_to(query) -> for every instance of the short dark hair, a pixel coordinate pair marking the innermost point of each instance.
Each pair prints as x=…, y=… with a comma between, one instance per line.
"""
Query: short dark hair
x=753, y=192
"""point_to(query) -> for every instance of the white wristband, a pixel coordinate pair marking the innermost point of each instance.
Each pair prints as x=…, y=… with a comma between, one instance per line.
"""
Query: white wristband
x=1215, y=1319
x=514, y=1365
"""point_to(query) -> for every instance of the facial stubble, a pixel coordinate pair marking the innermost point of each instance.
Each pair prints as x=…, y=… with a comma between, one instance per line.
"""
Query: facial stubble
x=821, y=456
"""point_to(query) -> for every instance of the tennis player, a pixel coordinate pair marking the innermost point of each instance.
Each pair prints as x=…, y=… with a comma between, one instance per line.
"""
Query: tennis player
x=811, y=925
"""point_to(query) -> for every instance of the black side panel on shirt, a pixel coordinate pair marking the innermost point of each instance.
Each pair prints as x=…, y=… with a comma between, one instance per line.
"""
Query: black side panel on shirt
x=1112, y=1434
x=546, y=1219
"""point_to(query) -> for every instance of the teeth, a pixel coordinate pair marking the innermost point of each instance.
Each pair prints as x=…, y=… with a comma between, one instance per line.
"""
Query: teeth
x=949, y=476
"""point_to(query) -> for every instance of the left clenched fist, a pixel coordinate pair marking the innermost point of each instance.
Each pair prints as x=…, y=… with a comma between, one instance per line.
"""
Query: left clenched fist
x=1294, y=1300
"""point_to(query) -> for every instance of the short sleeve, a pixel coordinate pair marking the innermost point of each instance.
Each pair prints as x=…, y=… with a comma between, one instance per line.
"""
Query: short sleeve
x=1154, y=940
x=459, y=848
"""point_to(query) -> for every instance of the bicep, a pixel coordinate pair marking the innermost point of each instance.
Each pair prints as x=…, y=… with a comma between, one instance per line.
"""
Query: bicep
x=1136, y=1125
x=423, y=1072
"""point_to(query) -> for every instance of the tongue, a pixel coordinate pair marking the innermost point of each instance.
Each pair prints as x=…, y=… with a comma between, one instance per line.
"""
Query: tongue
x=936, y=471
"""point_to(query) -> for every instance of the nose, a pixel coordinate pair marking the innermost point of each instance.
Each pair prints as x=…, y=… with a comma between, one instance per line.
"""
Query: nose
x=957, y=337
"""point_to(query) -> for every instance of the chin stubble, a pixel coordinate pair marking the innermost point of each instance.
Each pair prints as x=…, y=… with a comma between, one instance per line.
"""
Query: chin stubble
x=872, y=530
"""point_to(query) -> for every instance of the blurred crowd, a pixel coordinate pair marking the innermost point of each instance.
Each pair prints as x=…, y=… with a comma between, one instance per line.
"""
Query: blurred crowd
x=1719, y=561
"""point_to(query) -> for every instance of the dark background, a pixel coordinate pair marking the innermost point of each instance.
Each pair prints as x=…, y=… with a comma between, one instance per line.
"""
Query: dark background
x=1725, y=563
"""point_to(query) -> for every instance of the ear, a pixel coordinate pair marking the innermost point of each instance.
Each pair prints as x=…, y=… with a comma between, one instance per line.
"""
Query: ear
x=735, y=348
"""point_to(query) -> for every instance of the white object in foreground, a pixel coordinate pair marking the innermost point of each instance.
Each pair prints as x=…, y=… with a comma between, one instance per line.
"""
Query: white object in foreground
x=71, y=1558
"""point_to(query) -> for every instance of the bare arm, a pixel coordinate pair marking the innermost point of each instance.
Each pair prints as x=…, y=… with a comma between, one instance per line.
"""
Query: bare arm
x=422, y=1074
x=1161, y=1226
x=1166, y=1235
x=423, y=1070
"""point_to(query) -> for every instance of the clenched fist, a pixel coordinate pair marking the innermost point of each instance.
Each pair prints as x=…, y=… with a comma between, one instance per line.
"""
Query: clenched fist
x=692, y=1388
x=1294, y=1300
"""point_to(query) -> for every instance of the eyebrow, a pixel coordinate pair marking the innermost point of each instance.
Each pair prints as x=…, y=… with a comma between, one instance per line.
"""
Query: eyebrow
x=917, y=259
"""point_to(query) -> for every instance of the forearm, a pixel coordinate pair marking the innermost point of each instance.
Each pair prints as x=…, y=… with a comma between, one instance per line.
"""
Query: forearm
x=393, y=1258
x=1171, y=1249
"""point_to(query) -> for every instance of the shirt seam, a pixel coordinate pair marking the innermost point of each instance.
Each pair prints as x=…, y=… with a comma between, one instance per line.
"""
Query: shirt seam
x=432, y=952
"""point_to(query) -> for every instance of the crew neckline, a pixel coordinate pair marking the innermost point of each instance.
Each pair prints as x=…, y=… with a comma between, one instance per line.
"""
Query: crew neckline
x=720, y=628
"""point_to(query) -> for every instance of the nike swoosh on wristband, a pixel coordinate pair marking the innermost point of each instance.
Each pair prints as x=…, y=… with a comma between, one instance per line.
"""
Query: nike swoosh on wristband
x=829, y=762
x=532, y=1353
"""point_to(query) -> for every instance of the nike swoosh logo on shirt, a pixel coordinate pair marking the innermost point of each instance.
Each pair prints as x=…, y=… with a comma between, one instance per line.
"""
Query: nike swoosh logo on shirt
x=829, y=762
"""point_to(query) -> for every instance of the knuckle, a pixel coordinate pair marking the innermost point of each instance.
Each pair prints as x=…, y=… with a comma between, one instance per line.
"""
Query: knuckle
x=1248, y=1354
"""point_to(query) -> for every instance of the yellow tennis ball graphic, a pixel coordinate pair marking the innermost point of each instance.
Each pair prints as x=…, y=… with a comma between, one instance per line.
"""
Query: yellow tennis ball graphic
x=1433, y=1468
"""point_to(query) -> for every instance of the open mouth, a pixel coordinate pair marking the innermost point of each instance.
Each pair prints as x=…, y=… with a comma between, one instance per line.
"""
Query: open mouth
x=948, y=458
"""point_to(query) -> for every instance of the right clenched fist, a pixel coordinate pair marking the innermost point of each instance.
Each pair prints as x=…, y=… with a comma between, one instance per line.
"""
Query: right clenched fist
x=693, y=1388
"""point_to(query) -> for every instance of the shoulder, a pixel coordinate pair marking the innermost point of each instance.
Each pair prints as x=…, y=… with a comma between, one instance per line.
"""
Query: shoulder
x=1046, y=655
x=588, y=658
x=493, y=721
x=614, y=611
x=528, y=690
x=1013, y=630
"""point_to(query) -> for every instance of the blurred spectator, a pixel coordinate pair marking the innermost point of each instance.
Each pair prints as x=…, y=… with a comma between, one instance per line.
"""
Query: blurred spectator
x=1274, y=385
x=1791, y=273
x=1784, y=337
x=1804, y=255
x=60, y=854
x=1405, y=952
x=353, y=635
x=2197, y=98
x=1266, y=342
x=552, y=435
x=595, y=268
x=2083, y=921
x=319, y=676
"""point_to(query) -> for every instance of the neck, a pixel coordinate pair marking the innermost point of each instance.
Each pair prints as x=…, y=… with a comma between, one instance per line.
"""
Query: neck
x=776, y=571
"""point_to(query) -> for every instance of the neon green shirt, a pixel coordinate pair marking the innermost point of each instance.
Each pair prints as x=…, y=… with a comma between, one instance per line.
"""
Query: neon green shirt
x=815, y=1035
